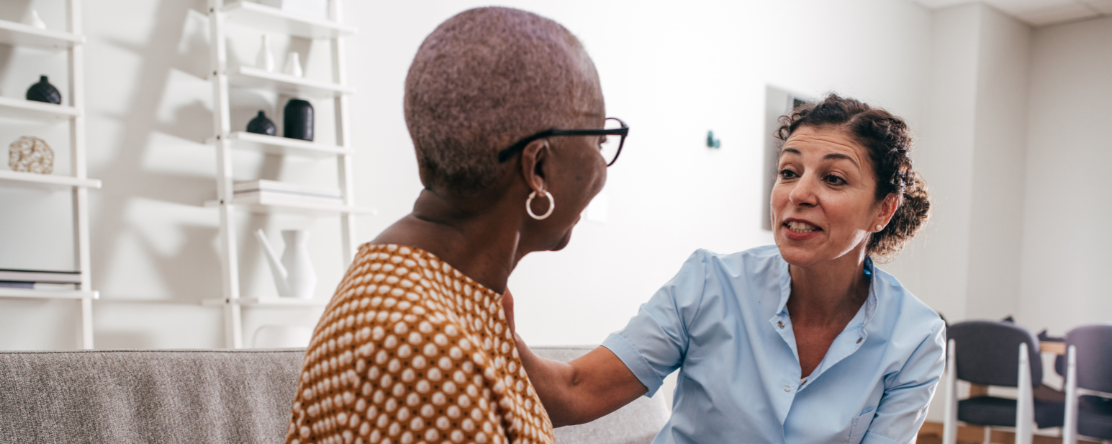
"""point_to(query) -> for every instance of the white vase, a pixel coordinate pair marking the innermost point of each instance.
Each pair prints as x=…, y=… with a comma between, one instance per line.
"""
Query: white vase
x=264, y=60
x=32, y=18
x=293, y=273
x=293, y=65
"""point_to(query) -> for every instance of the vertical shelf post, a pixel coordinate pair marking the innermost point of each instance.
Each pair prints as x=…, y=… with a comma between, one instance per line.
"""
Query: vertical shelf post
x=76, y=55
x=343, y=139
x=233, y=336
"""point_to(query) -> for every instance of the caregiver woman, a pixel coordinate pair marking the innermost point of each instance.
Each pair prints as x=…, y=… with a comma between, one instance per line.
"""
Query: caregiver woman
x=801, y=342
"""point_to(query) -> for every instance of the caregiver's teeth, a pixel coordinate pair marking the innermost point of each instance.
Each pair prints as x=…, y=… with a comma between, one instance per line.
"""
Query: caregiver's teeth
x=800, y=227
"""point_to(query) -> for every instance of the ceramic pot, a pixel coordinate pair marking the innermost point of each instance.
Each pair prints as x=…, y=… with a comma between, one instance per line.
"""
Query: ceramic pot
x=261, y=125
x=298, y=120
x=264, y=60
x=293, y=273
x=44, y=92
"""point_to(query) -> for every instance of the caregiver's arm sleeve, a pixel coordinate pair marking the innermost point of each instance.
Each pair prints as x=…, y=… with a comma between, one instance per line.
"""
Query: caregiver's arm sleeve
x=655, y=341
x=903, y=408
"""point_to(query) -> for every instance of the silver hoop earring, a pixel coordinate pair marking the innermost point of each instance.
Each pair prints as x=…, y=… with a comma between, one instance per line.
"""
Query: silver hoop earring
x=879, y=227
x=529, y=206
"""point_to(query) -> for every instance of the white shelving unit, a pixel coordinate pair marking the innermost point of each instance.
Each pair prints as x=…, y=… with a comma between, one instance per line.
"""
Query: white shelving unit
x=265, y=19
x=72, y=42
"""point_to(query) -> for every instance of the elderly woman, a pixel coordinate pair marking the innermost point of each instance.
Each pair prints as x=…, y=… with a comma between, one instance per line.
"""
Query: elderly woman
x=802, y=342
x=507, y=117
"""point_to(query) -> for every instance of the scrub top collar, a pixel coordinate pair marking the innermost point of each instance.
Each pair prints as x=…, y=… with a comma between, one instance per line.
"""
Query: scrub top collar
x=851, y=339
x=860, y=320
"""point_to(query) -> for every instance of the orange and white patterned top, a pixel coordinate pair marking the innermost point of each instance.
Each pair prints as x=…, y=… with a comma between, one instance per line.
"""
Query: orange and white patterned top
x=412, y=351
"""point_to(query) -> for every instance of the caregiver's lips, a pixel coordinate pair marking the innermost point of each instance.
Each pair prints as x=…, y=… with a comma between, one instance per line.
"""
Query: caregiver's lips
x=799, y=229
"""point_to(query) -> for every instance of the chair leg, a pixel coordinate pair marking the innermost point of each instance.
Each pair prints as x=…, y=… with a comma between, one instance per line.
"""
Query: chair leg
x=988, y=435
x=1069, y=426
x=950, y=423
x=1025, y=402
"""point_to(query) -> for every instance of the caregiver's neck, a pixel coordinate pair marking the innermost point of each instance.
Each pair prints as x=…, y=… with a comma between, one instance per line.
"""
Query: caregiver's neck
x=480, y=236
x=829, y=292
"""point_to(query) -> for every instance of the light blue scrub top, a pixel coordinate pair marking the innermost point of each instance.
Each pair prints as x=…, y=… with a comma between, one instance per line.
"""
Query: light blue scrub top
x=723, y=322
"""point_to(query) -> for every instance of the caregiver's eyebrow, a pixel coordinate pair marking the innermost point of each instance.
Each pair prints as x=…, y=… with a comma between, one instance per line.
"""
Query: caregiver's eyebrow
x=836, y=156
x=831, y=156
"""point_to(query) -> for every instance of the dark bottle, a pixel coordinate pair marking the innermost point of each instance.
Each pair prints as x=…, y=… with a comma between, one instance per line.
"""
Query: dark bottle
x=44, y=92
x=261, y=125
x=298, y=120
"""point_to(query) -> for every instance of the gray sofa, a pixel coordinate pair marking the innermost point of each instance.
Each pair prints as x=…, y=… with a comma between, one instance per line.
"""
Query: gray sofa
x=203, y=396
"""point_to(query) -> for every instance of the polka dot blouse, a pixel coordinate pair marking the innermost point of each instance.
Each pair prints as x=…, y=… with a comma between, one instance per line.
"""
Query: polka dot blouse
x=412, y=351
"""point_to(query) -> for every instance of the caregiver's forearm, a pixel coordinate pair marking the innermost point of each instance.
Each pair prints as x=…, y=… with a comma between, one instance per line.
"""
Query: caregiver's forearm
x=582, y=390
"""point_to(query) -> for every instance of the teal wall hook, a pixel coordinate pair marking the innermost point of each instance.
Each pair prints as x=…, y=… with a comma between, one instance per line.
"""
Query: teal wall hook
x=712, y=142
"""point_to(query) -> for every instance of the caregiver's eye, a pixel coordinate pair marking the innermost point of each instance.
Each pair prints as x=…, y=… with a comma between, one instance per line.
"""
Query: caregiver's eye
x=835, y=180
x=787, y=174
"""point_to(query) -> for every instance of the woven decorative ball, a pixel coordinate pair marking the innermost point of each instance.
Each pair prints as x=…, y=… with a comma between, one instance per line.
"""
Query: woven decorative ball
x=31, y=154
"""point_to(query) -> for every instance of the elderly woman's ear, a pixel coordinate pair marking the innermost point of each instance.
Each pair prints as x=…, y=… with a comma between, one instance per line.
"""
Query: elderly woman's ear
x=534, y=161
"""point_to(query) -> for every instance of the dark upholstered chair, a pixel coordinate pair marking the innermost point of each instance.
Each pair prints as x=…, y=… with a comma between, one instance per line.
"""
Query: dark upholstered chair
x=1089, y=357
x=990, y=353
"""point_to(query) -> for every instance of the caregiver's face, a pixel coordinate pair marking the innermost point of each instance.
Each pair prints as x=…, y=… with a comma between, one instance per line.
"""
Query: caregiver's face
x=823, y=203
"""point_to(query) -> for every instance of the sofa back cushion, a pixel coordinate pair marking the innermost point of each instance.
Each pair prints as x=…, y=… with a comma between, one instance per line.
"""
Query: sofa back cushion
x=205, y=396
x=147, y=396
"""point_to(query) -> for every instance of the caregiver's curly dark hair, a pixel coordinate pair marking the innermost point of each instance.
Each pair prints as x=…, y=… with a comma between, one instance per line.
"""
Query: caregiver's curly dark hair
x=888, y=141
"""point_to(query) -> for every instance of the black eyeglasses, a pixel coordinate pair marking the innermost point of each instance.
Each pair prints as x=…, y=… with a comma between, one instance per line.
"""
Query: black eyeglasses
x=610, y=148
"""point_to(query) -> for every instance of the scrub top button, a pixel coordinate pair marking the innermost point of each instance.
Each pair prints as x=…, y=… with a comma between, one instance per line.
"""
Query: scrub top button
x=780, y=324
x=787, y=388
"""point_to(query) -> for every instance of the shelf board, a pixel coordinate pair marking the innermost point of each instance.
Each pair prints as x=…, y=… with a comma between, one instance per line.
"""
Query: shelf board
x=29, y=110
x=47, y=294
x=268, y=302
x=271, y=19
x=283, y=146
x=41, y=181
x=250, y=77
x=267, y=205
x=19, y=34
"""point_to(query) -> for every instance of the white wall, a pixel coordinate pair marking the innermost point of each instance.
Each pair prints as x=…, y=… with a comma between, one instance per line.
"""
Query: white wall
x=998, y=167
x=972, y=153
x=1067, y=249
x=672, y=73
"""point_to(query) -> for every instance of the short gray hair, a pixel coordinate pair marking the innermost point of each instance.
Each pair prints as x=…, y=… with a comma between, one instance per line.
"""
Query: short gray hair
x=484, y=79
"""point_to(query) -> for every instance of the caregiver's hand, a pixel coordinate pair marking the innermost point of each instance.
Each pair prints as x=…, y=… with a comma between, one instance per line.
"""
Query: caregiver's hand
x=579, y=391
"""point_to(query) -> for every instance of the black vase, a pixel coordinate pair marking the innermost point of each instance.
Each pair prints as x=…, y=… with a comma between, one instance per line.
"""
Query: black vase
x=298, y=120
x=44, y=92
x=261, y=125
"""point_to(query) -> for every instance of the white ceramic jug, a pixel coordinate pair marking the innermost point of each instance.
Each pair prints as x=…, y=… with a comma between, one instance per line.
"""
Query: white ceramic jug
x=293, y=274
x=264, y=60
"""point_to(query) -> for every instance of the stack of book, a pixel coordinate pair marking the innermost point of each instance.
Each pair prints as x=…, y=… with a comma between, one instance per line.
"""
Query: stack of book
x=269, y=191
x=40, y=279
